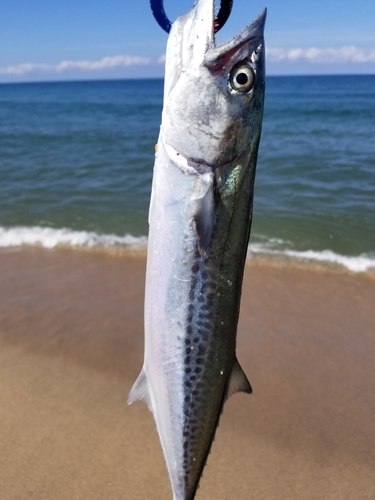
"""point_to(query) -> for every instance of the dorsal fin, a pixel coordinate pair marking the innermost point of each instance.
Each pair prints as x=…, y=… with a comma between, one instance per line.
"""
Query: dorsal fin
x=204, y=209
x=238, y=381
x=139, y=391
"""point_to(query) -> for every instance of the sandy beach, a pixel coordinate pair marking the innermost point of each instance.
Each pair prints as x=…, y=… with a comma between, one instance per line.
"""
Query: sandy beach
x=71, y=345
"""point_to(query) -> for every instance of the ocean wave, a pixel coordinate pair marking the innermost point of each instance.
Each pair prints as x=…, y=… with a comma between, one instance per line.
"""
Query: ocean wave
x=48, y=237
x=357, y=264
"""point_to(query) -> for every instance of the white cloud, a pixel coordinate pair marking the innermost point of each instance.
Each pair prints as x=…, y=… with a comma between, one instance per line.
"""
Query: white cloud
x=161, y=59
x=102, y=64
x=342, y=55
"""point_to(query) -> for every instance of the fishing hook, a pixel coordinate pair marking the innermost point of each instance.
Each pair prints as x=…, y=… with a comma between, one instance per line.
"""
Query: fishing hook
x=158, y=11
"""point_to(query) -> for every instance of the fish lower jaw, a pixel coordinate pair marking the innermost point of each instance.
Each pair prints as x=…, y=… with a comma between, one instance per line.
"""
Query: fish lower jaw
x=188, y=165
x=192, y=165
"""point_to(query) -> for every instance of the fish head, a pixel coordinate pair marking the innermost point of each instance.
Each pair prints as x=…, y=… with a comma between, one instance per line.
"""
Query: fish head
x=213, y=95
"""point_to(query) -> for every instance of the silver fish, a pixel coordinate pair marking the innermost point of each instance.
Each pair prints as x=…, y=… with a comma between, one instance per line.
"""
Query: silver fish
x=200, y=217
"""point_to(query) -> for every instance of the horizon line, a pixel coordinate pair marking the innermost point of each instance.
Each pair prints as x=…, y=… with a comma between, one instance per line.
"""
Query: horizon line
x=114, y=79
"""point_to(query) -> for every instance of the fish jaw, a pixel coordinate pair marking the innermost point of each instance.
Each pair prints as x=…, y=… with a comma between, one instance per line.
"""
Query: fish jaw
x=198, y=90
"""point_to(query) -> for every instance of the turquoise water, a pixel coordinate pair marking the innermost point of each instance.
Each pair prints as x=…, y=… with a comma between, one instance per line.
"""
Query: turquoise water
x=76, y=165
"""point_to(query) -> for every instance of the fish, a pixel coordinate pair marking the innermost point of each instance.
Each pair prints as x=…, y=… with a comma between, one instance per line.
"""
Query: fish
x=199, y=227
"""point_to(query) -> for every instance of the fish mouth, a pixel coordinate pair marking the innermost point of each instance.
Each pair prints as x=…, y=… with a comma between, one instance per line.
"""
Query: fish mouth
x=194, y=33
x=203, y=21
x=218, y=53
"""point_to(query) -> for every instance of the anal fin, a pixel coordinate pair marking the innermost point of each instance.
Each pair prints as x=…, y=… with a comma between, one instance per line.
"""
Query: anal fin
x=238, y=381
x=139, y=391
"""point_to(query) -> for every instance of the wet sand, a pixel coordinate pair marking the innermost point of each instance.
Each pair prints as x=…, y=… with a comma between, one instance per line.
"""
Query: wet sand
x=71, y=345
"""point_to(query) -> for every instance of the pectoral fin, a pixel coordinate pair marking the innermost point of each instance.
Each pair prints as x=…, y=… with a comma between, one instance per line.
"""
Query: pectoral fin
x=204, y=210
x=238, y=381
x=139, y=391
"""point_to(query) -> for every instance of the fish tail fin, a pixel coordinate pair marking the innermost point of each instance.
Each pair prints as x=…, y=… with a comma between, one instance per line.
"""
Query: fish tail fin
x=238, y=381
x=139, y=391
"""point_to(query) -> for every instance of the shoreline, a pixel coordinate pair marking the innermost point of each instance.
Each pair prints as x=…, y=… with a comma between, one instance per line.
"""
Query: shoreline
x=254, y=258
x=271, y=250
x=71, y=346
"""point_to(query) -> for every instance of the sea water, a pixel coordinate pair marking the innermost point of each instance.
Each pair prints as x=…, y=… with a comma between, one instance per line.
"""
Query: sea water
x=76, y=162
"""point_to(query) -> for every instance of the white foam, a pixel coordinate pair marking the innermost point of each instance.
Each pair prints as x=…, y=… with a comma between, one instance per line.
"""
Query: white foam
x=359, y=263
x=48, y=237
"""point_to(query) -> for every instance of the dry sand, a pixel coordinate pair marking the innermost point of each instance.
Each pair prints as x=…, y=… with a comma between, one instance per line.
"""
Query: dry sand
x=71, y=345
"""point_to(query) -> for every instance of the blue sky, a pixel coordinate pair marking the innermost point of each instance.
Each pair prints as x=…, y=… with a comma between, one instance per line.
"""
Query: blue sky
x=84, y=39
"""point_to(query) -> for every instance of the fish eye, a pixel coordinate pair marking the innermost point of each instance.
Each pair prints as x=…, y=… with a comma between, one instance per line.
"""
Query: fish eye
x=242, y=78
